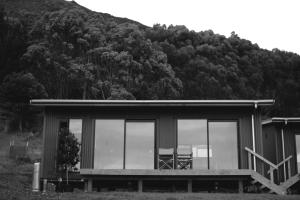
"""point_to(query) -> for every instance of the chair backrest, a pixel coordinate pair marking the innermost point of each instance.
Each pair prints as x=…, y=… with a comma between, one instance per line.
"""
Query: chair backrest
x=184, y=149
x=166, y=151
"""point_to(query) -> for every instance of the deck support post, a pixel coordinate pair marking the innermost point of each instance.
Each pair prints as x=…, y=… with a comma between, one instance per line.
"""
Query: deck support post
x=85, y=186
x=89, y=185
x=190, y=185
x=140, y=185
x=241, y=186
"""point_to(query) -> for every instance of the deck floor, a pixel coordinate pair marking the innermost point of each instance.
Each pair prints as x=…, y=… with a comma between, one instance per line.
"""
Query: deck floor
x=142, y=172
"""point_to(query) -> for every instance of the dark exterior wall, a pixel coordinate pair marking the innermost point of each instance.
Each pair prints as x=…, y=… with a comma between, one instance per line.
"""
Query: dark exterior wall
x=258, y=140
x=270, y=147
x=165, y=118
x=273, y=145
x=50, y=143
x=245, y=137
x=290, y=144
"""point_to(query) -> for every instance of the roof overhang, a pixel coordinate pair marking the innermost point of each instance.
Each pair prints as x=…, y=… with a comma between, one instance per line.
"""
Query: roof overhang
x=153, y=103
x=281, y=120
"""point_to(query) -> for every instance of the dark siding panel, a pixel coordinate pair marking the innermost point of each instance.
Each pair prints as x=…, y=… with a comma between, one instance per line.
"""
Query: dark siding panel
x=269, y=146
x=50, y=137
x=245, y=136
x=269, y=143
x=290, y=146
x=258, y=140
x=87, y=154
x=167, y=133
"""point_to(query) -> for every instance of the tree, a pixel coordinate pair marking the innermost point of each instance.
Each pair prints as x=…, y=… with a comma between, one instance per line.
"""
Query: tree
x=68, y=151
x=16, y=91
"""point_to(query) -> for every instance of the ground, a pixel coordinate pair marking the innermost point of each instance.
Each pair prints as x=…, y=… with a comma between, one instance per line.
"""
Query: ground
x=16, y=180
x=167, y=196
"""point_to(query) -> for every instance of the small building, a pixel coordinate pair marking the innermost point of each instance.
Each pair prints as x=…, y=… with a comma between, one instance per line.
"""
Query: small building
x=190, y=145
x=281, y=142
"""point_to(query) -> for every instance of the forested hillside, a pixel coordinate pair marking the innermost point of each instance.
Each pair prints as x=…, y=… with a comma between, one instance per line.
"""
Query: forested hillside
x=58, y=49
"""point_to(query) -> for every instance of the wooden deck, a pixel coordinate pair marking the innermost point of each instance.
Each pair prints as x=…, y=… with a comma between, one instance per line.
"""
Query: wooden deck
x=155, y=172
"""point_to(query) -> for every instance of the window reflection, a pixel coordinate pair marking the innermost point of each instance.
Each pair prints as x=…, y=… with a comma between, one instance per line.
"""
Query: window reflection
x=223, y=144
x=75, y=127
x=192, y=133
x=298, y=151
x=109, y=144
x=139, y=145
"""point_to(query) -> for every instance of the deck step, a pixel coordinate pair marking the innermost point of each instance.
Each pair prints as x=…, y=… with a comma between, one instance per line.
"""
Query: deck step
x=291, y=181
x=266, y=183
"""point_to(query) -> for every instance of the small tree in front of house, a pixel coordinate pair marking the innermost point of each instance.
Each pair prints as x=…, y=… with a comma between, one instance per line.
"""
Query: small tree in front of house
x=68, y=151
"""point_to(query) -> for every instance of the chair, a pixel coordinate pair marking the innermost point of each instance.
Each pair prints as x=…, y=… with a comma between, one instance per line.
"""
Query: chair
x=166, y=158
x=184, y=157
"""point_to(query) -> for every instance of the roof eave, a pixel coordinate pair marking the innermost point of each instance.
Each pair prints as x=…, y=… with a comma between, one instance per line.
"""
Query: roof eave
x=149, y=103
x=281, y=120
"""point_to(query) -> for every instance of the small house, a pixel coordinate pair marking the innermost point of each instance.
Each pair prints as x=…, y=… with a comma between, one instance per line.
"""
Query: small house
x=188, y=145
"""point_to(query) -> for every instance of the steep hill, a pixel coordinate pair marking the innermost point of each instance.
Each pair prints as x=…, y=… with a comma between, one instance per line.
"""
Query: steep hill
x=59, y=49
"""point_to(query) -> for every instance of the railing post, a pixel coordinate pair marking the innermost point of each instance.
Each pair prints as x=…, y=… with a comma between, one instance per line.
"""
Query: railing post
x=272, y=174
x=249, y=160
x=289, y=168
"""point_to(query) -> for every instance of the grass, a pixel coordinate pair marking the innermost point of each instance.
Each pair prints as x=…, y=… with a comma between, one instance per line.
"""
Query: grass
x=16, y=176
x=165, y=196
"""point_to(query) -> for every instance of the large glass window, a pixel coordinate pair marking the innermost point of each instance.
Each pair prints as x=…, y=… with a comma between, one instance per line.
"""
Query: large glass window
x=298, y=151
x=75, y=127
x=109, y=144
x=139, y=145
x=192, y=133
x=223, y=145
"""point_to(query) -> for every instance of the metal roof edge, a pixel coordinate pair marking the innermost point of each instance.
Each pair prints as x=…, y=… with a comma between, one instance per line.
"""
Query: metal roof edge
x=281, y=120
x=76, y=102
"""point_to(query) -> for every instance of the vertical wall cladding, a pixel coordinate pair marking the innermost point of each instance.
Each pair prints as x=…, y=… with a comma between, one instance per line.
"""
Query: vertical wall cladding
x=245, y=136
x=290, y=146
x=87, y=147
x=167, y=132
x=258, y=139
x=269, y=146
x=50, y=140
x=289, y=131
x=269, y=143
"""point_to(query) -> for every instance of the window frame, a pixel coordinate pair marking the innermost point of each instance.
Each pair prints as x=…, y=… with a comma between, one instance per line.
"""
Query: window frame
x=155, y=121
x=237, y=137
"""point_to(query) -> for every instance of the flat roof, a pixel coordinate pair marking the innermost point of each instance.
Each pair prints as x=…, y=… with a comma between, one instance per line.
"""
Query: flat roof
x=281, y=120
x=146, y=103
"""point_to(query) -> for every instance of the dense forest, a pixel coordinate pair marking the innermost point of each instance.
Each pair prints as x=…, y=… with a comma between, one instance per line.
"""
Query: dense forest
x=61, y=50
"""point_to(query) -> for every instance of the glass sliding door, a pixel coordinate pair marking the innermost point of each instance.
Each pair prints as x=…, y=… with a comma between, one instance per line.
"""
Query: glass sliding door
x=192, y=134
x=109, y=144
x=139, y=145
x=223, y=145
x=298, y=151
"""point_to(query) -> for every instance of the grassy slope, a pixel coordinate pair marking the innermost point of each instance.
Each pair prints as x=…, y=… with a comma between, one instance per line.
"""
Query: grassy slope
x=168, y=196
x=16, y=177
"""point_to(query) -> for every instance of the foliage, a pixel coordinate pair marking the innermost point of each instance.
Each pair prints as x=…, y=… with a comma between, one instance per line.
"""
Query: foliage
x=75, y=53
x=16, y=91
x=68, y=150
